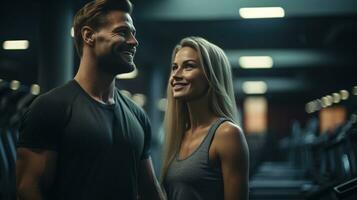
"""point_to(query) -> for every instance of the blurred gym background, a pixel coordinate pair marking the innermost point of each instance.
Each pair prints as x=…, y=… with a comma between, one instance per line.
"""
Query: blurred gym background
x=294, y=68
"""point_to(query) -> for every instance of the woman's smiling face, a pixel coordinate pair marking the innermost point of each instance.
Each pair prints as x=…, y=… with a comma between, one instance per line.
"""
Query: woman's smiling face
x=187, y=78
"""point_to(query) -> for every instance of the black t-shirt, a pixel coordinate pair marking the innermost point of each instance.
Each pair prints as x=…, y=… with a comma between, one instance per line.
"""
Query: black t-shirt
x=99, y=146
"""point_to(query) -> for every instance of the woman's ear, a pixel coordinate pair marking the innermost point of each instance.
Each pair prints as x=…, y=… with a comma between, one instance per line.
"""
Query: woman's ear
x=88, y=35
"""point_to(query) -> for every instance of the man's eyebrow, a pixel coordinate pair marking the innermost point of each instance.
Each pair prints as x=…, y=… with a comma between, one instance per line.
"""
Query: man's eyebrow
x=125, y=27
x=121, y=27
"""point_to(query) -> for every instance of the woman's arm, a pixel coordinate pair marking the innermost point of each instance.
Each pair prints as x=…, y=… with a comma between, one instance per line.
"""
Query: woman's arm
x=232, y=150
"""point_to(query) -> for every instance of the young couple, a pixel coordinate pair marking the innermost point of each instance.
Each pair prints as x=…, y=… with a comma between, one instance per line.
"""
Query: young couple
x=85, y=140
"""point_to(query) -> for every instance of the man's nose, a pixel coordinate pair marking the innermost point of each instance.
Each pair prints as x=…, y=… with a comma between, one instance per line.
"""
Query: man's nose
x=132, y=40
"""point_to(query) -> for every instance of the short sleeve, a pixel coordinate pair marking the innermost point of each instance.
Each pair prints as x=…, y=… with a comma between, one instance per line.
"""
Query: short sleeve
x=147, y=139
x=42, y=124
x=144, y=121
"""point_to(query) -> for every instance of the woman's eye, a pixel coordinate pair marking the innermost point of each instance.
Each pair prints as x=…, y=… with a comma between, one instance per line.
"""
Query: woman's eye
x=174, y=67
x=189, y=66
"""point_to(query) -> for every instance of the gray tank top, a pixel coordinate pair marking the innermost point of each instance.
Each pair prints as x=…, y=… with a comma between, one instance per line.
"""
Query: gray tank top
x=193, y=178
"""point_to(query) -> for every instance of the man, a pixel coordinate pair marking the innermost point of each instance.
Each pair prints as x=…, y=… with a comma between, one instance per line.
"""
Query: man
x=85, y=140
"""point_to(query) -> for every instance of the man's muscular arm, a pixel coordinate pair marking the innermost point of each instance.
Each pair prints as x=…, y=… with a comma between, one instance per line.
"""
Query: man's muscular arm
x=149, y=186
x=35, y=172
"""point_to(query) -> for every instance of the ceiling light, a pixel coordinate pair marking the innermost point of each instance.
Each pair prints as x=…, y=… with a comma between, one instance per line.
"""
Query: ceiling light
x=327, y=100
x=72, y=32
x=344, y=94
x=336, y=97
x=262, y=12
x=354, y=118
x=317, y=104
x=254, y=62
x=161, y=104
x=310, y=107
x=139, y=99
x=125, y=93
x=15, y=44
x=15, y=85
x=254, y=87
x=35, y=89
x=323, y=103
x=354, y=90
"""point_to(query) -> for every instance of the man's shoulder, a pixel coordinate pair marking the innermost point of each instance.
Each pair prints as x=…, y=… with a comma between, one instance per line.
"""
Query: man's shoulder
x=129, y=102
x=57, y=97
x=62, y=91
x=139, y=112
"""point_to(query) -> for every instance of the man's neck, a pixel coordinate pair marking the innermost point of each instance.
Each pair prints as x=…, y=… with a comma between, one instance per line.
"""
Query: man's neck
x=98, y=84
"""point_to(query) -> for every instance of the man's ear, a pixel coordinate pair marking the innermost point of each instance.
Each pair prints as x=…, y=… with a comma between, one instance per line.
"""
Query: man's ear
x=88, y=35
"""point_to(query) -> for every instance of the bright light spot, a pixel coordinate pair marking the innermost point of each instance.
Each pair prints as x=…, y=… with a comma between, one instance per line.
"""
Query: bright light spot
x=16, y=44
x=161, y=104
x=336, y=97
x=346, y=163
x=324, y=102
x=310, y=107
x=35, y=89
x=255, y=87
x=313, y=106
x=344, y=94
x=139, y=99
x=255, y=111
x=256, y=62
x=354, y=90
x=72, y=32
x=354, y=118
x=329, y=100
x=129, y=75
x=125, y=93
x=318, y=105
x=15, y=85
x=262, y=12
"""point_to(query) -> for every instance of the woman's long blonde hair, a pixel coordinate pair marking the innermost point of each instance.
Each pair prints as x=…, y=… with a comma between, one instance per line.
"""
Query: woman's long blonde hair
x=218, y=72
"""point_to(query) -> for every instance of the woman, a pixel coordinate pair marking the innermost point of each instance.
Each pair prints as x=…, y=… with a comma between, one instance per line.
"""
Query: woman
x=206, y=154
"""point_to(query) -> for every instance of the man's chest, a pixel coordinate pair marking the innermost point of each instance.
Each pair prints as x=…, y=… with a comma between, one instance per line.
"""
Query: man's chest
x=92, y=131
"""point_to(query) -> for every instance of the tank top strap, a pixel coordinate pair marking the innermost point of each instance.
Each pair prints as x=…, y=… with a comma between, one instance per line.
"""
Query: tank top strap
x=212, y=131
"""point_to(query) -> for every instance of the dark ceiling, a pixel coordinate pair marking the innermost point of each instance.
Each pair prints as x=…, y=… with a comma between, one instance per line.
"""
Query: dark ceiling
x=314, y=46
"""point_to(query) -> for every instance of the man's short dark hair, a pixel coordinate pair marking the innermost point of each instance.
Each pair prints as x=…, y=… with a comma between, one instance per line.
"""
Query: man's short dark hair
x=93, y=14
